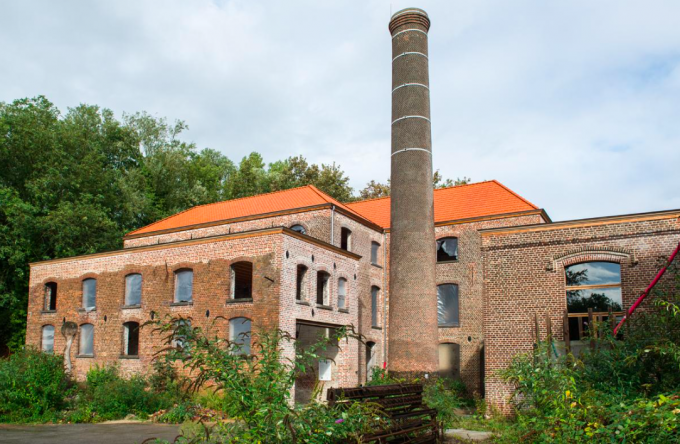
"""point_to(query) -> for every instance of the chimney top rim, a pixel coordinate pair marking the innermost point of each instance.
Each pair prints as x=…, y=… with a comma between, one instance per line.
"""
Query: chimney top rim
x=409, y=10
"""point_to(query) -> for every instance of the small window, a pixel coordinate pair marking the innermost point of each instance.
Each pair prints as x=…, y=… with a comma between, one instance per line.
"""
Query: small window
x=374, y=305
x=242, y=280
x=447, y=249
x=133, y=289
x=447, y=305
x=48, y=339
x=89, y=294
x=299, y=228
x=239, y=335
x=370, y=359
x=131, y=339
x=342, y=293
x=301, y=283
x=375, y=247
x=184, y=283
x=86, y=340
x=51, y=296
x=324, y=369
x=346, y=239
x=449, y=360
x=322, y=287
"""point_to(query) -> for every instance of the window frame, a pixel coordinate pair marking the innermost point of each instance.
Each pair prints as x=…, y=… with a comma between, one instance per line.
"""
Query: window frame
x=126, y=339
x=375, y=260
x=141, y=287
x=301, y=282
x=457, y=305
x=375, y=306
x=177, y=273
x=325, y=288
x=80, y=341
x=42, y=338
x=344, y=306
x=569, y=288
x=345, y=239
x=94, y=307
x=441, y=241
x=51, y=303
x=302, y=229
x=233, y=279
x=233, y=337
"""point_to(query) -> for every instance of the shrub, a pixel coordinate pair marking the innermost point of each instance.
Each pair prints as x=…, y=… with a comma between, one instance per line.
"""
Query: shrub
x=33, y=386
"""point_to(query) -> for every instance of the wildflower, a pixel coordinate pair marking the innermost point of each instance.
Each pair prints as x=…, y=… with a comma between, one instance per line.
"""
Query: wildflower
x=567, y=394
x=339, y=421
x=573, y=404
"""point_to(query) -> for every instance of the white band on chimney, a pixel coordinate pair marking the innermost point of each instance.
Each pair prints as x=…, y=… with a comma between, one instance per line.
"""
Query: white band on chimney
x=407, y=30
x=410, y=117
x=413, y=149
x=409, y=53
x=411, y=84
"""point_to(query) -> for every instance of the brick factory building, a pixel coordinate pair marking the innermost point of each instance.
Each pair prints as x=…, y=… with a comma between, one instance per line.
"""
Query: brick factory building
x=471, y=268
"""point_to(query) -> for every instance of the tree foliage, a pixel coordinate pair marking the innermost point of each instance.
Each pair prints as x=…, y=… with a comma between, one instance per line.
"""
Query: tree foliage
x=374, y=190
x=75, y=183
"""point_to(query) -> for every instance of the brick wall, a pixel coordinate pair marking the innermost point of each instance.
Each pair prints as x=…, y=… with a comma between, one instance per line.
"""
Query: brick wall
x=524, y=275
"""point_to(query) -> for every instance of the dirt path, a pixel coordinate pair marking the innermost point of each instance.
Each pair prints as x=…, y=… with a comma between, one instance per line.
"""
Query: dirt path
x=105, y=433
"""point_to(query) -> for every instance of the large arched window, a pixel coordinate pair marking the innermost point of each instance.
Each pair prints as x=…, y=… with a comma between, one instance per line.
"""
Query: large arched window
x=375, y=294
x=86, y=347
x=239, y=335
x=47, y=343
x=322, y=289
x=51, y=296
x=301, y=283
x=131, y=339
x=184, y=285
x=242, y=280
x=342, y=293
x=447, y=305
x=89, y=294
x=447, y=249
x=449, y=360
x=133, y=289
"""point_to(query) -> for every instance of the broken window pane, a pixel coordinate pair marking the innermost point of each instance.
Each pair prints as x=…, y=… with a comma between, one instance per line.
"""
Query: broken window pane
x=447, y=305
x=447, y=249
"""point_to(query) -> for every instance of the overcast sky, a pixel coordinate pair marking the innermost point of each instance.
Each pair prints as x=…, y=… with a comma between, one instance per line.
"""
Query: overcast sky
x=575, y=105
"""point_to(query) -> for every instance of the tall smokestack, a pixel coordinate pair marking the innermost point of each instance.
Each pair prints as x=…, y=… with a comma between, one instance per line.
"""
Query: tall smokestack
x=413, y=290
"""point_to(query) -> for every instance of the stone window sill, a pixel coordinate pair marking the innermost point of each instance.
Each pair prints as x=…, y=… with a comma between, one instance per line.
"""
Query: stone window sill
x=376, y=327
x=129, y=356
x=239, y=300
x=448, y=262
x=182, y=304
x=131, y=307
x=85, y=356
x=324, y=307
x=448, y=325
x=343, y=310
x=376, y=265
x=48, y=311
x=85, y=310
x=302, y=303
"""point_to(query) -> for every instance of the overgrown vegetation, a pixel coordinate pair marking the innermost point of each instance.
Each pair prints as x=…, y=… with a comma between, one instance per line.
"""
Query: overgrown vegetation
x=621, y=391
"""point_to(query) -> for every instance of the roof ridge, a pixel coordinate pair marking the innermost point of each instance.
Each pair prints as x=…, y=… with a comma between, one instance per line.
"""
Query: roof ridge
x=215, y=203
x=335, y=201
x=515, y=194
x=463, y=185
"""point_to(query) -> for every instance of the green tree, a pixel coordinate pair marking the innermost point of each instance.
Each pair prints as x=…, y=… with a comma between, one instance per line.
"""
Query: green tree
x=375, y=189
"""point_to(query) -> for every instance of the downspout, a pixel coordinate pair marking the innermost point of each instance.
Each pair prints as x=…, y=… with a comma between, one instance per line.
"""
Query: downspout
x=384, y=293
x=332, y=224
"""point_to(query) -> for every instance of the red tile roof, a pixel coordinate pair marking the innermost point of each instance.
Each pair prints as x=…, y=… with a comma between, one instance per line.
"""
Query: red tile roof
x=460, y=202
x=293, y=198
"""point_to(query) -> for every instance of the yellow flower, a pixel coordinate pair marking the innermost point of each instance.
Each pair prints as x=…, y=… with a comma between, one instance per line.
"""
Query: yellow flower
x=573, y=404
x=568, y=394
x=676, y=411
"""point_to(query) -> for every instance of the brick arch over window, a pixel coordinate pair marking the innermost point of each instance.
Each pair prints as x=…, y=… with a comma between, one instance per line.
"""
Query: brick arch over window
x=584, y=254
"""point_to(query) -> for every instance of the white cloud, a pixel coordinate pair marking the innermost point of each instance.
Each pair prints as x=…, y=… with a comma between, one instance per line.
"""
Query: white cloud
x=574, y=104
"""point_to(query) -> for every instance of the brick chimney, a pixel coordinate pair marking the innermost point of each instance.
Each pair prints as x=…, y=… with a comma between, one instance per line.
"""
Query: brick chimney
x=413, y=291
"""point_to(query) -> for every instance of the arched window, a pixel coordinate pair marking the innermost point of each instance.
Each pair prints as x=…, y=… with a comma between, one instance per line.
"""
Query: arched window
x=449, y=360
x=447, y=305
x=242, y=280
x=86, y=347
x=301, y=283
x=342, y=293
x=322, y=288
x=89, y=294
x=447, y=249
x=131, y=339
x=239, y=335
x=370, y=359
x=375, y=293
x=133, y=289
x=375, y=248
x=51, y=296
x=299, y=228
x=184, y=283
x=346, y=239
x=47, y=343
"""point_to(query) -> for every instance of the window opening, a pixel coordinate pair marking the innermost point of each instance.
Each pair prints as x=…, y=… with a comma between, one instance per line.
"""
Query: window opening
x=299, y=228
x=86, y=340
x=239, y=335
x=447, y=249
x=48, y=338
x=449, y=360
x=51, y=296
x=375, y=247
x=342, y=293
x=345, y=239
x=374, y=306
x=322, y=287
x=447, y=305
x=131, y=338
x=242, y=280
x=133, y=289
x=184, y=282
x=301, y=283
x=89, y=294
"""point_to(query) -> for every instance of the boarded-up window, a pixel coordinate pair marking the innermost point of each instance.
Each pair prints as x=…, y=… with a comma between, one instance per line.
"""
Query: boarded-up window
x=447, y=305
x=324, y=369
x=48, y=338
x=342, y=293
x=375, y=248
x=133, y=289
x=242, y=280
x=239, y=335
x=86, y=340
x=131, y=339
x=51, y=296
x=447, y=249
x=449, y=360
x=322, y=287
x=301, y=283
x=184, y=283
x=375, y=292
x=89, y=294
